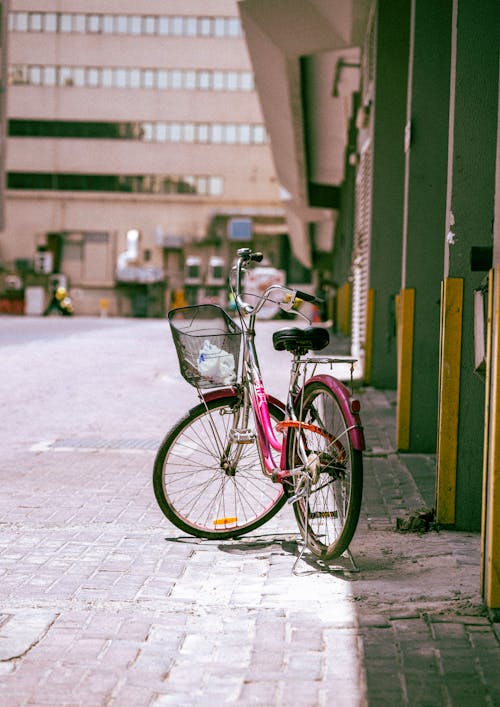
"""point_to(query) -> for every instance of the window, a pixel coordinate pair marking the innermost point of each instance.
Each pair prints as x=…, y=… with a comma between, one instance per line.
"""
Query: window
x=219, y=27
x=79, y=23
x=35, y=75
x=192, y=270
x=204, y=79
x=121, y=24
x=79, y=77
x=205, y=26
x=177, y=26
x=188, y=185
x=218, y=80
x=189, y=134
x=215, y=186
x=147, y=132
x=135, y=78
x=202, y=132
x=49, y=76
x=163, y=25
x=93, y=77
x=230, y=134
x=233, y=27
x=135, y=24
x=21, y=22
x=244, y=134
x=162, y=77
x=191, y=26
x=148, y=78
x=232, y=81
x=50, y=22
x=161, y=132
x=259, y=134
x=215, y=270
x=65, y=24
x=120, y=78
x=93, y=24
x=175, y=132
x=246, y=81
x=107, y=78
x=108, y=24
x=19, y=75
x=190, y=80
x=35, y=22
x=176, y=79
x=202, y=185
x=149, y=24
x=217, y=133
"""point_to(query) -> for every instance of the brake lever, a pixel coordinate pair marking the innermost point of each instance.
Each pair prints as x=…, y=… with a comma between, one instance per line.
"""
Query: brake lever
x=290, y=304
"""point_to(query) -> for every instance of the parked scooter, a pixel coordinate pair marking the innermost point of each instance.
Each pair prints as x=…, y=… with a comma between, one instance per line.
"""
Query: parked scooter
x=60, y=304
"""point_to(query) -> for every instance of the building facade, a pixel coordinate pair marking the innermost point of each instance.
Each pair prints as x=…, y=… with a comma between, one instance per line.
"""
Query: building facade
x=135, y=139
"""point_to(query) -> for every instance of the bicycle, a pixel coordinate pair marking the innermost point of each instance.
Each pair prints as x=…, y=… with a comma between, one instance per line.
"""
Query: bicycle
x=232, y=462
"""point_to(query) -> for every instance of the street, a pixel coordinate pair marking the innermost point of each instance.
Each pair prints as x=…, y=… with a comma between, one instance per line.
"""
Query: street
x=104, y=602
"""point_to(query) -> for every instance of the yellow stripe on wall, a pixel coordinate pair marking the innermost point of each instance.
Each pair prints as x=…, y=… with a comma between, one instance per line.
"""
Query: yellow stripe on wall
x=491, y=540
x=486, y=443
x=344, y=309
x=449, y=398
x=370, y=313
x=405, y=322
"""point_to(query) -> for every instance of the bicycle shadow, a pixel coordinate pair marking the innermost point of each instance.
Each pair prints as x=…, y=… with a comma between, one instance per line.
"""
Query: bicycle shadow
x=340, y=566
x=264, y=547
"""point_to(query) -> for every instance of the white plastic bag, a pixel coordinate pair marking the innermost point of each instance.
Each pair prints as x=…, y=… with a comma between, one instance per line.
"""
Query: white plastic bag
x=216, y=364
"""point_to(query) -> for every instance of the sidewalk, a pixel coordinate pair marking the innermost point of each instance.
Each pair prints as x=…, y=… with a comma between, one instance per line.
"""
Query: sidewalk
x=103, y=602
x=433, y=642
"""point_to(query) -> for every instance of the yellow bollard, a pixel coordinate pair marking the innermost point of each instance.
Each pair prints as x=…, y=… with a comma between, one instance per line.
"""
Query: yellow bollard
x=449, y=398
x=405, y=319
x=104, y=307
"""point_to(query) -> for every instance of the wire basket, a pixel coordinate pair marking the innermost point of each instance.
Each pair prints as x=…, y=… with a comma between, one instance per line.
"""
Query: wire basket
x=208, y=344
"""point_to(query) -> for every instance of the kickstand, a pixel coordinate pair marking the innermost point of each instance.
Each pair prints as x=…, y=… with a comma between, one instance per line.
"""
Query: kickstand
x=304, y=492
x=347, y=556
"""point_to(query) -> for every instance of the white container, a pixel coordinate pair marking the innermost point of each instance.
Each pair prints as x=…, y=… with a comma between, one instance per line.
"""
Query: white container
x=34, y=301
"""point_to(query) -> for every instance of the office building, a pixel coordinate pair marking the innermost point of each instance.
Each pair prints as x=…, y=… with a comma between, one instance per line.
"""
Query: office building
x=136, y=150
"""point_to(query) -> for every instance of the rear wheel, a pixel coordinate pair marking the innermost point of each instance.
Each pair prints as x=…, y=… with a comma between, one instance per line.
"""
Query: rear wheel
x=208, y=484
x=328, y=518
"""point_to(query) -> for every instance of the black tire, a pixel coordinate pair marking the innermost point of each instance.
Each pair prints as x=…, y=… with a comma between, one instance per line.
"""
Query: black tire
x=201, y=491
x=337, y=487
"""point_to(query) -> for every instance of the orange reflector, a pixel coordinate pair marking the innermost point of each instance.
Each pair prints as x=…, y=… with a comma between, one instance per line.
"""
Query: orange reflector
x=355, y=405
x=225, y=521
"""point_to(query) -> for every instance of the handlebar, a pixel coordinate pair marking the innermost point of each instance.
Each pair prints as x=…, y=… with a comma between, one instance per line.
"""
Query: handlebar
x=245, y=256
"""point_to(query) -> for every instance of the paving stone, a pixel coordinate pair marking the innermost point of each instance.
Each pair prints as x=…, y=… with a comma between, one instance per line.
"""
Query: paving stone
x=104, y=602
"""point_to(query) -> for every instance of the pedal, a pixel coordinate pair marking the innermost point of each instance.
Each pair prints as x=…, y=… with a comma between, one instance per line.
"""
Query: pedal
x=242, y=436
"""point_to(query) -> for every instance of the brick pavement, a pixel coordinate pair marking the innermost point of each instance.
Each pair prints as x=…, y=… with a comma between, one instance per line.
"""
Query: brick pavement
x=103, y=602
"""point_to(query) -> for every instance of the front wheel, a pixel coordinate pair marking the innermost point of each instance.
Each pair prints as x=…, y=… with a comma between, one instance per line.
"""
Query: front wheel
x=328, y=516
x=208, y=480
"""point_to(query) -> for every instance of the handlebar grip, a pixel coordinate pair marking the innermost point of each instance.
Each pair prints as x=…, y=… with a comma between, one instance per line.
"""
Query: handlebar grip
x=256, y=257
x=309, y=298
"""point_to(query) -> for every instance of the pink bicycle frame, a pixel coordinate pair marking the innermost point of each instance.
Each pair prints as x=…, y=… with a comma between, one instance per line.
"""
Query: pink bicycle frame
x=267, y=439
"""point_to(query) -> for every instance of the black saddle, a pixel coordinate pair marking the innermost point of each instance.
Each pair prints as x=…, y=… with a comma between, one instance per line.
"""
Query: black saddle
x=300, y=341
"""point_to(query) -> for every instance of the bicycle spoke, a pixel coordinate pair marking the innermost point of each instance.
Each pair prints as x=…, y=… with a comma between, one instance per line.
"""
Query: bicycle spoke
x=328, y=513
x=207, y=484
